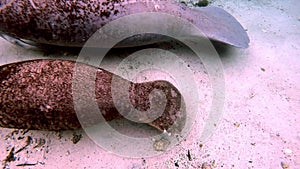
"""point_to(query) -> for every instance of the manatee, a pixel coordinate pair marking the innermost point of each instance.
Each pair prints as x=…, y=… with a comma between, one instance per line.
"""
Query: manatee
x=71, y=23
x=38, y=95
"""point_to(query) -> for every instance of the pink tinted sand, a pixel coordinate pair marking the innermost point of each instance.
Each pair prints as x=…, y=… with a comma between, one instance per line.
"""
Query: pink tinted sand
x=260, y=126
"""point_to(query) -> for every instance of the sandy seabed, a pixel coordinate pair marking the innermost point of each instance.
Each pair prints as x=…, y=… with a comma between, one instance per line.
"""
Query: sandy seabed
x=260, y=123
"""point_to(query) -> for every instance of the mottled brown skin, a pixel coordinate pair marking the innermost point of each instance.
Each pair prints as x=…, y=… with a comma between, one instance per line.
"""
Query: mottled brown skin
x=71, y=23
x=38, y=95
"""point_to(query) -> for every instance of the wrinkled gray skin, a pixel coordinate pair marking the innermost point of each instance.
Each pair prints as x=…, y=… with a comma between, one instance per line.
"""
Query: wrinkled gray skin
x=61, y=23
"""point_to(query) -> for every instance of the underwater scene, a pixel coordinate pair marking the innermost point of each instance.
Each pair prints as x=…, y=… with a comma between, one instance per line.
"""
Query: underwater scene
x=149, y=84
